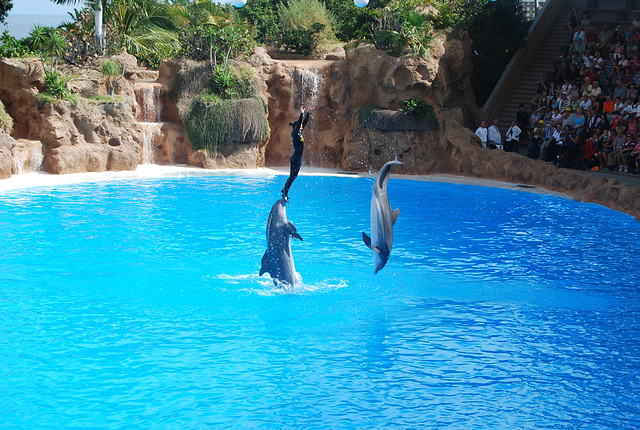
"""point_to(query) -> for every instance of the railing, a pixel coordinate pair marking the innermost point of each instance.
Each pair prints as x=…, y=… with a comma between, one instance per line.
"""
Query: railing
x=512, y=74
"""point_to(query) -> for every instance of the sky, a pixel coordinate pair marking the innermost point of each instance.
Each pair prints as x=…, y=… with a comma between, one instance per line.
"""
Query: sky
x=40, y=7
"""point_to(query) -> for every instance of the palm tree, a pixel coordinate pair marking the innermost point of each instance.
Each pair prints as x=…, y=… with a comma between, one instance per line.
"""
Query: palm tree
x=143, y=27
x=98, y=9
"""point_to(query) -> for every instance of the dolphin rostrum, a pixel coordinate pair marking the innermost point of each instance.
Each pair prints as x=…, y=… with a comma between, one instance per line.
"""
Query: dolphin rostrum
x=382, y=219
x=277, y=260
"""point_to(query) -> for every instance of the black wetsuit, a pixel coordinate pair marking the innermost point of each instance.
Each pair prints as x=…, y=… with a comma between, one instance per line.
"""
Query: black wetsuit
x=298, y=149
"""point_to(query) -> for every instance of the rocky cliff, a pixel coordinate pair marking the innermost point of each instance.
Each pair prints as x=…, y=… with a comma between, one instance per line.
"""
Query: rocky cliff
x=97, y=134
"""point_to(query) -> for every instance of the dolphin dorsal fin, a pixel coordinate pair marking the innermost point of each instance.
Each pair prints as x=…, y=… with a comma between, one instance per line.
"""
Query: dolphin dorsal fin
x=367, y=241
x=394, y=215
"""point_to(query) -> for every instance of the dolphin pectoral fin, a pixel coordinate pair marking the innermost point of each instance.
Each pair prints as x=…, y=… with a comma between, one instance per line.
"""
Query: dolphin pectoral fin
x=292, y=231
x=394, y=215
x=367, y=241
x=264, y=268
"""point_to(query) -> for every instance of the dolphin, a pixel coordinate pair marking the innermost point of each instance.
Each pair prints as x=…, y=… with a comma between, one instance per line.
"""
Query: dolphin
x=277, y=259
x=382, y=219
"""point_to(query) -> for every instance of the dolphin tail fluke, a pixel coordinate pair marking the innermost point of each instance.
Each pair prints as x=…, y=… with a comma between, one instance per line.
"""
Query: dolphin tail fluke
x=367, y=241
x=266, y=262
x=395, y=214
x=384, y=172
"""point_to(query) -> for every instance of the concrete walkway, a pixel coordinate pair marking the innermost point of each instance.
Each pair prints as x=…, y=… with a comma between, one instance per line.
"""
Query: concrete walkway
x=624, y=178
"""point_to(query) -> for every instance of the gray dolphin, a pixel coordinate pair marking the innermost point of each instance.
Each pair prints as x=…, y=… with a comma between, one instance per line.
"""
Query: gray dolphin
x=382, y=219
x=277, y=259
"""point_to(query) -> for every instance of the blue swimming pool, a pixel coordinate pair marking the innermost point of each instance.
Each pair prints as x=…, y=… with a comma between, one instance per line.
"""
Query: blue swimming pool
x=138, y=305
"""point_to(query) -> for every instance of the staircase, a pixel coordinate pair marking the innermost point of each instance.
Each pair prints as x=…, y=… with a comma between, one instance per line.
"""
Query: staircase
x=553, y=43
x=547, y=39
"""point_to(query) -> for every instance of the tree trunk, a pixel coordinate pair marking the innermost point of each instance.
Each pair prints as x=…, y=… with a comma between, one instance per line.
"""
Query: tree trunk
x=98, y=25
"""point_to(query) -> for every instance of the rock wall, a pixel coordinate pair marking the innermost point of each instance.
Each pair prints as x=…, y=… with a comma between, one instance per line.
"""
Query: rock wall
x=94, y=135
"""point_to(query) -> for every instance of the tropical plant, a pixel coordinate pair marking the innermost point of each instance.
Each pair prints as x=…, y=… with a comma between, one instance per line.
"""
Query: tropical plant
x=98, y=9
x=352, y=22
x=5, y=7
x=113, y=72
x=417, y=33
x=224, y=82
x=144, y=28
x=309, y=19
x=56, y=84
x=10, y=47
x=420, y=109
x=263, y=16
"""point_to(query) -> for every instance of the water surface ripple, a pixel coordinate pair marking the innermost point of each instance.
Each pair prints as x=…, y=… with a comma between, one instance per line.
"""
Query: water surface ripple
x=138, y=305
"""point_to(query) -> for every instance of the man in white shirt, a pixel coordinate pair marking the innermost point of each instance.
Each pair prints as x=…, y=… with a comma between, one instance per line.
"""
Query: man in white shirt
x=495, y=138
x=513, y=136
x=482, y=133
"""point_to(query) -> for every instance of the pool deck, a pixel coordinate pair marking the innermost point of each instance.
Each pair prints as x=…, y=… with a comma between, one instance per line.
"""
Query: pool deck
x=40, y=179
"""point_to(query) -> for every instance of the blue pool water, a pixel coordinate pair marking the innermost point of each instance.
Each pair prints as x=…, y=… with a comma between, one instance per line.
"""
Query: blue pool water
x=138, y=305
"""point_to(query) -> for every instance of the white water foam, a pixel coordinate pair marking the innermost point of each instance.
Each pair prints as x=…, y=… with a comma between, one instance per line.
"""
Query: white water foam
x=266, y=286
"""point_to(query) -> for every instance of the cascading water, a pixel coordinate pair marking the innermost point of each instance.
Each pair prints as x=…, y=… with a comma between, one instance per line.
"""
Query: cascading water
x=150, y=132
x=149, y=96
x=306, y=86
x=27, y=156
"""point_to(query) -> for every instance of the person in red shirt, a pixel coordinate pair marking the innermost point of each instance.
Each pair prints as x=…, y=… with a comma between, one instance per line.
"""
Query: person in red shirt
x=607, y=106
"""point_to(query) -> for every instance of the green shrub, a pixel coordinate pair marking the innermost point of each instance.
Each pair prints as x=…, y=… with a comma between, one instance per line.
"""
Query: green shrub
x=307, y=19
x=212, y=122
x=56, y=85
x=224, y=83
x=419, y=109
x=10, y=47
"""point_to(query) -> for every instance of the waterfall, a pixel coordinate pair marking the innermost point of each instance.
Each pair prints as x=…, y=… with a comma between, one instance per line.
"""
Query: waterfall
x=27, y=156
x=305, y=87
x=150, y=133
x=17, y=161
x=148, y=96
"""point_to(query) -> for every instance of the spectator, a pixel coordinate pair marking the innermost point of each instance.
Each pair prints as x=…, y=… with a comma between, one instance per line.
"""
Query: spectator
x=608, y=105
x=556, y=143
x=512, y=138
x=623, y=157
x=585, y=23
x=618, y=106
x=579, y=121
x=632, y=93
x=533, y=151
x=607, y=147
x=541, y=87
x=604, y=37
x=614, y=157
x=494, y=136
x=633, y=162
x=482, y=133
x=620, y=92
x=547, y=139
x=522, y=119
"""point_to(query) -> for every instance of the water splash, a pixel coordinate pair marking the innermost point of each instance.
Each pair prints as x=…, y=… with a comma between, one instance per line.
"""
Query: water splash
x=305, y=87
x=263, y=285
